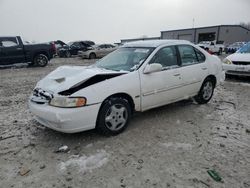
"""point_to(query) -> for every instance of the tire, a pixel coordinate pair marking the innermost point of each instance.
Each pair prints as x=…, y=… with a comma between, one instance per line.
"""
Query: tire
x=67, y=54
x=92, y=56
x=206, y=92
x=40, y=60
x=113, y=117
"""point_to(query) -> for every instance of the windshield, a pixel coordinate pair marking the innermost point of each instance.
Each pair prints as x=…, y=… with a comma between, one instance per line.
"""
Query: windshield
x=126, y=59
x=245, y=48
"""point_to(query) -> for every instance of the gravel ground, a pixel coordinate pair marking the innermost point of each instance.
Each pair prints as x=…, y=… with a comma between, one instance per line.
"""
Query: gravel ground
x=171, y=146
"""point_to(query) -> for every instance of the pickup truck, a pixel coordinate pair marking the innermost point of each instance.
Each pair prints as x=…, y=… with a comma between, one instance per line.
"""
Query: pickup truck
x=13, y=51
x=212, y=46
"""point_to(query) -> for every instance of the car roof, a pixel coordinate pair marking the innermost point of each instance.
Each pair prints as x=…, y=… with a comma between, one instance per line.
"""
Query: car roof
x=155, y=43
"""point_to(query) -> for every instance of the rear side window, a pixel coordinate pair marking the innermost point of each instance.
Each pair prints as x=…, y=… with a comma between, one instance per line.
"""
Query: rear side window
x=187, y=55
x=201, y=57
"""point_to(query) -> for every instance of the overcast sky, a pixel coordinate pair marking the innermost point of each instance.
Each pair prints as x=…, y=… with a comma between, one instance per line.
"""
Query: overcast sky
x=112, y=20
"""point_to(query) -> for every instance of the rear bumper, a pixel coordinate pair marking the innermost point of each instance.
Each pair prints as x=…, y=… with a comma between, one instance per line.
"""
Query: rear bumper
x=241, y=70
x=67, y=120
x=83, y=54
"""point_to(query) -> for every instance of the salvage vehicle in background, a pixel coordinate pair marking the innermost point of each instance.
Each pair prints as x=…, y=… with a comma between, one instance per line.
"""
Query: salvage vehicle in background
x=72, y=48
x=234, y=47
x=13, y=51
x=212, y=46
x=239, y=62
x=58, y=44
x=136, y=77
x=97, y=51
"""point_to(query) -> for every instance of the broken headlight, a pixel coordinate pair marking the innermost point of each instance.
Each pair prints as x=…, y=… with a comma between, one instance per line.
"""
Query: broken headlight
x=68, y=102
x=227, y=61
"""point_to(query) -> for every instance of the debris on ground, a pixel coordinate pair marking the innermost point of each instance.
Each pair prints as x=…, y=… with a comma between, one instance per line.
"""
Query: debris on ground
x=215, y=175
x=7, y=137
x=62, y=149
x=24, y=171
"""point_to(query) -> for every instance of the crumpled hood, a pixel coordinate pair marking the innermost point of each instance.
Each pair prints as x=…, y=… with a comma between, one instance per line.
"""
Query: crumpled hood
x=65, y=77
x=245, y=57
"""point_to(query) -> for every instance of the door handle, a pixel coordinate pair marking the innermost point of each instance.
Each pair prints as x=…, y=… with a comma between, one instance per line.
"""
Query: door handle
x=19, y=48
x=204, y=68
x=177, y=74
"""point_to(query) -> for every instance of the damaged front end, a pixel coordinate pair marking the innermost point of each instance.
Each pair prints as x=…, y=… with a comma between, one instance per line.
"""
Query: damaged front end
x=63, y=98
x=40, y=96
x=91, y=81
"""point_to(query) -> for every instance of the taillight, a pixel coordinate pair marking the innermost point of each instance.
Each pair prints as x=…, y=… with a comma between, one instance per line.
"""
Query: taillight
x=53, y=47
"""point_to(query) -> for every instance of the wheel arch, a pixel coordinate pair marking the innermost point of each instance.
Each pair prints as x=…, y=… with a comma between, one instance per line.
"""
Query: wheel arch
x=40, y=52
x=212, y=78
x=119, y=95
x=124, y=96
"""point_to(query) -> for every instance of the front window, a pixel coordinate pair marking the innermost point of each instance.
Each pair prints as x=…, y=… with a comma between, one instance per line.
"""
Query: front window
x=125, y=59
x=166, y=56
x=245, y=49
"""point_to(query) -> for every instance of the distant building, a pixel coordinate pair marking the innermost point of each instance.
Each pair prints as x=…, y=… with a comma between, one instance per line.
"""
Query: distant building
x=226, y=33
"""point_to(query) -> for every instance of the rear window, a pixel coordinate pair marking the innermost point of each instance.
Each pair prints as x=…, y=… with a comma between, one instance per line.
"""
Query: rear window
x=187, y=55
x=201, y=57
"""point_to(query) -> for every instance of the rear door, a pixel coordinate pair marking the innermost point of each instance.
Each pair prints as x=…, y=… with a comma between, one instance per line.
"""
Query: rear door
x=11, y=51
x=193, y=68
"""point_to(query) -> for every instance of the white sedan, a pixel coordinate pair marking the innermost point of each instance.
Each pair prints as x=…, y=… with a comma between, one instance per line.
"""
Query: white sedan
x=136, y=77
x=239, y=62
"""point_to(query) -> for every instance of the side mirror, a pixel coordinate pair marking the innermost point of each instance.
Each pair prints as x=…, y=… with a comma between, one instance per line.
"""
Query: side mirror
x=154, y=67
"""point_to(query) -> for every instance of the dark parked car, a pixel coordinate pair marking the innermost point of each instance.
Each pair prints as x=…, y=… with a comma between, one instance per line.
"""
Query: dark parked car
x=12, y=51
x=72, y=48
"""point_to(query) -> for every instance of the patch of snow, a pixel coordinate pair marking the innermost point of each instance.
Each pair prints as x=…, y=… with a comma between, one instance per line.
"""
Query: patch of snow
x=89, y=145
x=184, y=146
x=63, y=148
x=84, y=163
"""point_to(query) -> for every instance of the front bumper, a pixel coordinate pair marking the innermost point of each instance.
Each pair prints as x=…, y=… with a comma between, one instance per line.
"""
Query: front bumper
x=241, y=70
x=67, y=120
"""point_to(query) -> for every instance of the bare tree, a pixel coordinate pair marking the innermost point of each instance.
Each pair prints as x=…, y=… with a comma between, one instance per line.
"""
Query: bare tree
x=245, y=24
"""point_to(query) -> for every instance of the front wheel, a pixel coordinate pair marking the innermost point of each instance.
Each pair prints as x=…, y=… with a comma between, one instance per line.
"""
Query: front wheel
x=206, y=92
x=41, y=60
x=114, y=116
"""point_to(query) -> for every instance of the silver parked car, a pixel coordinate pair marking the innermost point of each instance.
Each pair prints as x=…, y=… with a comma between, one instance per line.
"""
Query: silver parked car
x=97, y=51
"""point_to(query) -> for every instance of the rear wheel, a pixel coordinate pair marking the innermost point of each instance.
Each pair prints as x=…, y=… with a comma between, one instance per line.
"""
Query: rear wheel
x=92, y=56
x=114, y=116
x=206, y=92
x=41, y=60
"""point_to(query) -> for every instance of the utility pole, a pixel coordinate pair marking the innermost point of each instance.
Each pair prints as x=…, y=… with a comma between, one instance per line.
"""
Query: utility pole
x=193, y=22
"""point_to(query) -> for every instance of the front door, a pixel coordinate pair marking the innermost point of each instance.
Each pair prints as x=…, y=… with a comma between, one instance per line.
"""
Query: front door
x=163, y=87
